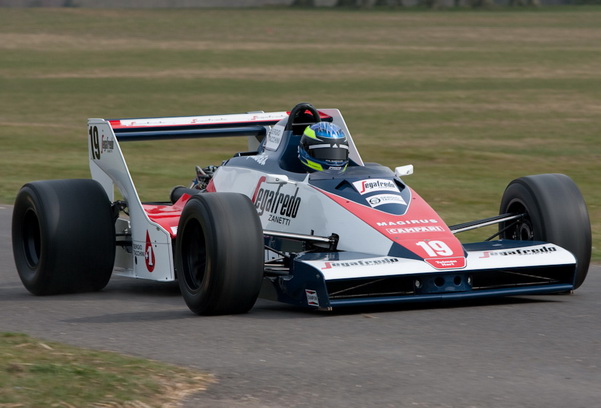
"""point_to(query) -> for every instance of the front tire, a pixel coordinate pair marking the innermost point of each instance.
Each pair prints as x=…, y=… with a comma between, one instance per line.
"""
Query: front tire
x=555, y=212
x=63, y=236
x=219, y=254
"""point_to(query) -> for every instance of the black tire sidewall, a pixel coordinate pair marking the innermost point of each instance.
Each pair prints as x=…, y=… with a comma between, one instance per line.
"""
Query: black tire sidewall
x=29, y=204
x=558, y=213
x=232, y=240
x=76, y=236
x=195, y=215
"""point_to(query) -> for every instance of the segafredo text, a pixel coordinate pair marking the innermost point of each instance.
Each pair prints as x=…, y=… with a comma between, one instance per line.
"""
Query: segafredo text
x=275, y=202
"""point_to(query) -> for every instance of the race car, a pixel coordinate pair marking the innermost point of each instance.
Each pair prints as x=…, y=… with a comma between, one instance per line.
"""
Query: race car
x=298, y=218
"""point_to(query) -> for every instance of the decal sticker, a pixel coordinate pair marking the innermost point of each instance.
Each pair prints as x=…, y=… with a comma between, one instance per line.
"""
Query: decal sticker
x=362, y=262
x=280, y=206
x=259, y=158
x=95, y=142
x=279, y=220
x=510, y=252
x=406, y=222
x=312, y=299
x=99, y=143
x=457, y=262
x=409, y=230
x=435, y=248
x=441, y=255
x=371, y=185
x=149, y=254
x=107, y=144
x=381, y=199
x=274, y=137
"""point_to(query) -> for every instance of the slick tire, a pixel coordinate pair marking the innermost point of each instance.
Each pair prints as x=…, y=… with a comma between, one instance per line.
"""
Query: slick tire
x=219, y=254
x=63, y=236
x=555, y=212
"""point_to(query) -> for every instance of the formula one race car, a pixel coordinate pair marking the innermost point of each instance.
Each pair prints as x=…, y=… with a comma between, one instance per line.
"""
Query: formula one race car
x=290, y=223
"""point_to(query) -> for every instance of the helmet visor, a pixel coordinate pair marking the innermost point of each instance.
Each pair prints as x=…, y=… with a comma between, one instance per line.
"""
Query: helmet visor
x=327, y=152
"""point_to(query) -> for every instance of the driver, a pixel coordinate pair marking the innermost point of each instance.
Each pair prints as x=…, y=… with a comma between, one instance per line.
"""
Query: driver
x=322, y=147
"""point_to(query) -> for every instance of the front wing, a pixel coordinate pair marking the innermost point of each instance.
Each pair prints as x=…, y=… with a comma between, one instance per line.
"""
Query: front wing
x=498, y=268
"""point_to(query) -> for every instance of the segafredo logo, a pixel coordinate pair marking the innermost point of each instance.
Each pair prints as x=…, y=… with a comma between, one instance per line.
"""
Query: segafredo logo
x=363, y=262
x=371, y=185
x=270, y=199
x=533, y=251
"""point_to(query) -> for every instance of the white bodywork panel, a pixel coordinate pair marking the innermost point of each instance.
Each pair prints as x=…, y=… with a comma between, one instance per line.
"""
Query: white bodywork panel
x=538, y=256
x=152, y=255
x=315, y=215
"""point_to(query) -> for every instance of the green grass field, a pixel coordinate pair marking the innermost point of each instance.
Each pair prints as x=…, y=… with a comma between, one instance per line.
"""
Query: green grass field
x=473, y=99
x=41, y=374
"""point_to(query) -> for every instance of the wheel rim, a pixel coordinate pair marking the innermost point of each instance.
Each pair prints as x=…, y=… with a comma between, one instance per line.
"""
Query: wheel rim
x=32, y=238
x=193, y=255
x=522, y=230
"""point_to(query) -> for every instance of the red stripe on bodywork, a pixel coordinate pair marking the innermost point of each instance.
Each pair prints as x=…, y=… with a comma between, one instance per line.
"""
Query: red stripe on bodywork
x=261, y=181
x=167, y=216
x=420, y=230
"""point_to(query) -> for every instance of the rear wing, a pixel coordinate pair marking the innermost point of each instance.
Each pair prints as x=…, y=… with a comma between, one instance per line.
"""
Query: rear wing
x=254, y=125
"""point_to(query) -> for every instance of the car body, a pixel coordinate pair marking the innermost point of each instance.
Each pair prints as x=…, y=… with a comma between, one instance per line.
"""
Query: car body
x=328, y=239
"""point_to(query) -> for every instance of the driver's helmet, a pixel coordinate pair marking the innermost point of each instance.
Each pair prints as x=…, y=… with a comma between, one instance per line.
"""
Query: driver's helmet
x=323, y=146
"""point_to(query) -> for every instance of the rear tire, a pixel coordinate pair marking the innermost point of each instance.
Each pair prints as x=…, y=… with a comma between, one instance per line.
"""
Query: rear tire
x=219, y=254
x=63, y=236
x=555, y=212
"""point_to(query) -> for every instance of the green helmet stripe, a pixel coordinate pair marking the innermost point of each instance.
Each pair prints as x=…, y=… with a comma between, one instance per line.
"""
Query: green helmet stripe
x=313, y=165
x=310, y=133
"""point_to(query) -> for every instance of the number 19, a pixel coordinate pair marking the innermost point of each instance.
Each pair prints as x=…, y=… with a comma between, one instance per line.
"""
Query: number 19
x=95, y=142
x=435, y=248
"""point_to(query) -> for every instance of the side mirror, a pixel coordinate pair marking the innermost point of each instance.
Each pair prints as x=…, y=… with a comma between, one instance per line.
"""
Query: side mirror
x=276, y=179
x=406, y=170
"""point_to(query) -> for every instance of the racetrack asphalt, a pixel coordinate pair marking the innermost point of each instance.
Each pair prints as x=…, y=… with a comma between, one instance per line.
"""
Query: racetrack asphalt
x=542, y=351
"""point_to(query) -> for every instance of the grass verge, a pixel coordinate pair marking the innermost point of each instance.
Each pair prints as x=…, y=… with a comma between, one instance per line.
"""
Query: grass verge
x=40, y=374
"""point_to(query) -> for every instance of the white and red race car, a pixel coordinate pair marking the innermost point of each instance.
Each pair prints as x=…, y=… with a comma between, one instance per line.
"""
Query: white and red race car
x=261, y=224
